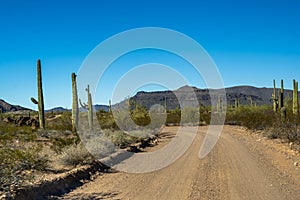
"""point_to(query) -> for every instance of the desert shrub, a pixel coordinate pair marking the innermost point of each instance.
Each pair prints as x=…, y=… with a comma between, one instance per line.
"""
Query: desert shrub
x=190, y=115
x=100, y=146
x=260, y=117
x=61, y=122
x=58, y=143
x=287, y=131
x=119, y=138
x=106, y=120
x=173, y=116
x=272, y=133
x=263, y=117
x=123, y=140
x=140, y=116
x=131, y=120
x=17, y=163
x=59, y=138
x=205, y=114
x=74, y=155
x=9, y=131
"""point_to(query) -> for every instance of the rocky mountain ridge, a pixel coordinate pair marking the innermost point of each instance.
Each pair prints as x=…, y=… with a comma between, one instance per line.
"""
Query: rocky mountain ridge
x=244, y=94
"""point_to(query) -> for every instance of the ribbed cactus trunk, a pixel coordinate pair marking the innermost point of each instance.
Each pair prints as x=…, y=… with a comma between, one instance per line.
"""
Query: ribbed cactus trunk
x=281, y=97
x=236, y=103
x=219, y=105
x=90, y=108
x=40, y=96
x=295, y=97
x=109, y=108
x=281, y=104
x=251, y=101
x=75, y=111
x=275, y=100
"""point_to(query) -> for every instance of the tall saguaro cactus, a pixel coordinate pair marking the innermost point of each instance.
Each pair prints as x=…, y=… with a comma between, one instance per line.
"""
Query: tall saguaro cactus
x=109, y=107
x=251, y=101
x=280, y=102
x=281, y=96
x=75, y=111
x=275, y=100
x=295, y=98
x=219, y=105
x=236, y=103
x=88, y=106
x=40, y=101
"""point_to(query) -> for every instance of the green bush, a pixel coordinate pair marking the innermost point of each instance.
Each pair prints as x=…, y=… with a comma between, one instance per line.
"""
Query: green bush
x=10, y=131
x=263, y=117
x=16, y=165
x=62, y=139
x=173, y=117
x=140, y=116
x=260, y=117
x=106, y=120
x=61, y=122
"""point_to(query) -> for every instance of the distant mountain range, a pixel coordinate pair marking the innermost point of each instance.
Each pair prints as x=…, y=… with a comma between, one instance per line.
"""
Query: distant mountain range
x=81, y=109
x=6, y=107
x=259, y=96
x=244, y=94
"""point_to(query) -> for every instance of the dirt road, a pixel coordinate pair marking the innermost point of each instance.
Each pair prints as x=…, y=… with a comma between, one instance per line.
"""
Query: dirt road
x=241, y=166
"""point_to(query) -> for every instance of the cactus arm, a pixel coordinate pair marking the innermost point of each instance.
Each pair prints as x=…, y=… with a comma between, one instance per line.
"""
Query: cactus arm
x=34, y=100
x=84, y=105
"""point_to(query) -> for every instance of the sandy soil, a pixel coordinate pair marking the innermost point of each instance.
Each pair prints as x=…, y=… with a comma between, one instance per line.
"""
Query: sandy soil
x=241, y=166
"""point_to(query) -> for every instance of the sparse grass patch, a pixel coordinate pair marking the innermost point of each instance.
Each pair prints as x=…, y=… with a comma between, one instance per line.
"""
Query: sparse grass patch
x=60, y=122
x=74, y=155
x=119, y=138
x=10, y=131
x=17, y=165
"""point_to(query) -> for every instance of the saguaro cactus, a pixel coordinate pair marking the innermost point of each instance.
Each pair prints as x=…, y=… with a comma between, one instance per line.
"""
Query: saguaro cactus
x=88, y=106
x=281, y=96
x=236, y=102
x=295, y=97
x=251, y=101
x=219, y=105
x=274, y=98
x=75, y=111
x=40, y=101
x=109, y=106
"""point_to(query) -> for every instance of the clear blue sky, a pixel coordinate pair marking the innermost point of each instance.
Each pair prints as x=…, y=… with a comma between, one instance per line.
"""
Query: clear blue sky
x=252, y=42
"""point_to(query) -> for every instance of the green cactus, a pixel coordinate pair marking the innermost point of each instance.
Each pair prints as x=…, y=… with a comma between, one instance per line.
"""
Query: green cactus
x=110, y=107
x=295, y=97
x=251, y=101
x=40, y=101
x=283, y=114
x=219, y=105
x=236, y=102
x=274, y=98
x=89, y=107
x=75, y=111
x=281, y=96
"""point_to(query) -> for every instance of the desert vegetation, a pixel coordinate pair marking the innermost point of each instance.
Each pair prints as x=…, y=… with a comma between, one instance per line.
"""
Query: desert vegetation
x=33, y=142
